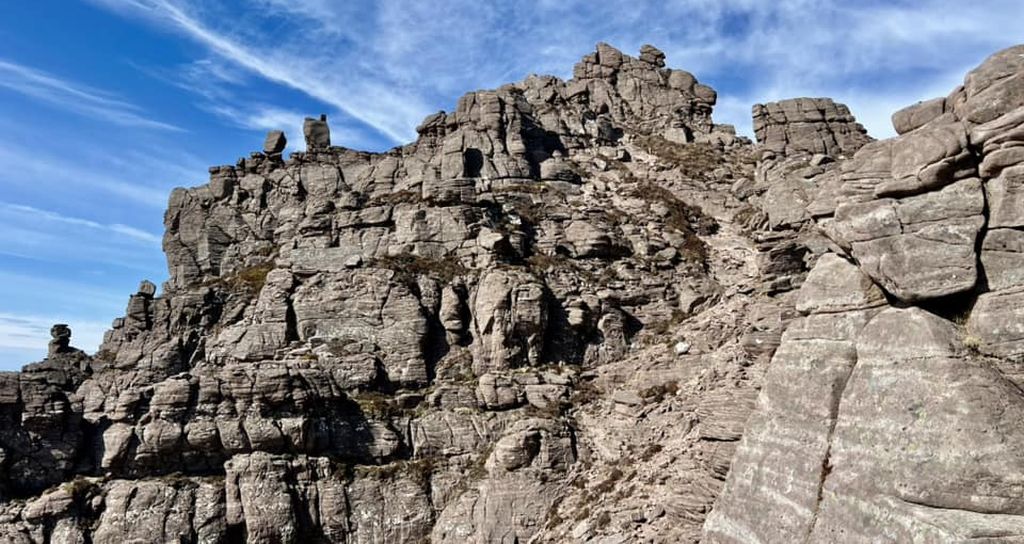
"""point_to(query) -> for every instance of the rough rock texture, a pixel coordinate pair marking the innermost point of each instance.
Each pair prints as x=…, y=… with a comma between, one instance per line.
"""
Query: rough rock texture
x=787, y=441
x=407, y=346
x=900, y=423
x=808, y=125
x=571, y=311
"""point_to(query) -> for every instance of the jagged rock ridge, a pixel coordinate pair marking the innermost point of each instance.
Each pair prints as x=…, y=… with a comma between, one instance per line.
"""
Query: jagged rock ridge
x=383, y=347
x=570, y=311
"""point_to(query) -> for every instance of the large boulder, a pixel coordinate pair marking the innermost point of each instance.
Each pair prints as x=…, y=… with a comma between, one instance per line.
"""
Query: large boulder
x=317, y=133
x=918, y=247
x=772, y=488
x=509, y=318
x=926, y=441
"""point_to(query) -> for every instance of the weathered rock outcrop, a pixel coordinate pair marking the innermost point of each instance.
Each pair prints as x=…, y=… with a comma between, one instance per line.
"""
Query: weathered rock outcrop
x=897, y=423
x=571, y=311
x=383, y=347
x=808, y=125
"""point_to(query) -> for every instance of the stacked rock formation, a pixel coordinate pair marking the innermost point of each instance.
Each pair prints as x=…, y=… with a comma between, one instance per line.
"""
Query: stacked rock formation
x=380, y=347
x=813, y=125
x=571, y=311
x=899, y=422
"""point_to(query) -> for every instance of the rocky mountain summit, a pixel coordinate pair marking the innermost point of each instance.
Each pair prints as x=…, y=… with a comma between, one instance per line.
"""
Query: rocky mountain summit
x=571, y=311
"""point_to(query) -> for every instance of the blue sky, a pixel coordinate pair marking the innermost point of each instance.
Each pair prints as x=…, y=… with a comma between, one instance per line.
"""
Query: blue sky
x=105, y=105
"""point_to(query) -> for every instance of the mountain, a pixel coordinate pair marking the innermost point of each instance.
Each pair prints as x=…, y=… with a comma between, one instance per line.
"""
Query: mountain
x=570, y=311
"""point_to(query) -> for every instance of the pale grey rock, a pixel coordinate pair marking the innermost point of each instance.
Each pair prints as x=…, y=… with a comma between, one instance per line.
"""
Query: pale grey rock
x=827, y=194
x=389, y=508
x=772, y=489
x=885, y=484
x=926, y=159
x=836, y=285
x=548, y=397
x=275, y=142
x=1002, y=258
x=510, y=504
x=862, y=173
x=918, y=115
x=996, y=323
x=994, y=87
x=917, y=247
x=509, y=319
x=497, y=392
x=276, y=498
x=52, y=504
x=157, y=511
x=320, y=180
x=352, y=305
x=808, y=125
x=590, y=240
x=787, y=202
x=652, y=55
x=514, y=451
x=678, y=135
x=266, y=330
x=1006, y=198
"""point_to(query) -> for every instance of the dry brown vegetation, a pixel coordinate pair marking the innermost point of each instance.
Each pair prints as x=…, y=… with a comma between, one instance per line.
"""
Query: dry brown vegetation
x=696, y=160
x=408, y=267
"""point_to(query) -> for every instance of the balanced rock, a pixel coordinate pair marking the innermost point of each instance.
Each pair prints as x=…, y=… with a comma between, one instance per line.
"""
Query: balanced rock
x=316, y=132
x=60, y=335
x=275, y=142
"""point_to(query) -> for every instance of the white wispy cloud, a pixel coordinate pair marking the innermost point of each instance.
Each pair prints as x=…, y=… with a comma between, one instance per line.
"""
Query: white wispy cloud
x=137, y=177
x=60, y=295
x=32, y=333
x=36, y=215
x=391, y=62
x=75, y=97
x=310, y=70
x=46, y=239
x=222, y=89
x=33, y=302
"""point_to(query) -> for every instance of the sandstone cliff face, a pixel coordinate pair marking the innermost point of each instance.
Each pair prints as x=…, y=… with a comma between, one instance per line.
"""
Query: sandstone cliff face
x=570, y=311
